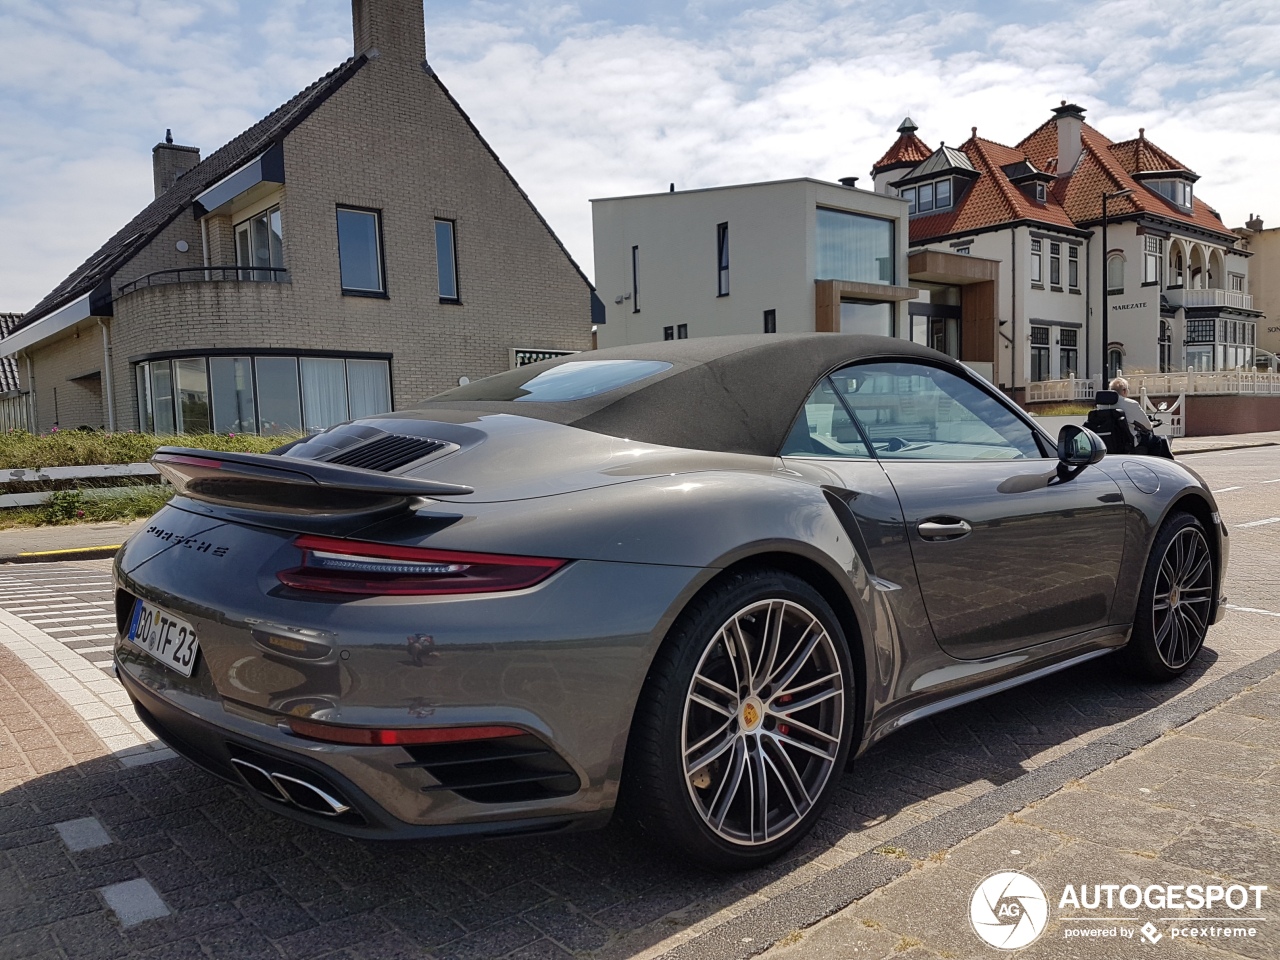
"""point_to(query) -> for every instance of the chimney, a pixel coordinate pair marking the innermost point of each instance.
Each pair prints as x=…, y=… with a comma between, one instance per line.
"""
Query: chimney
x=394, y=28
x=1253, y=223
x=1070, y=118
x=169, y=161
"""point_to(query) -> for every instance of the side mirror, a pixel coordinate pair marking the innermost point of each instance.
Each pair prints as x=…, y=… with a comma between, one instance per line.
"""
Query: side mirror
x=1079, y=447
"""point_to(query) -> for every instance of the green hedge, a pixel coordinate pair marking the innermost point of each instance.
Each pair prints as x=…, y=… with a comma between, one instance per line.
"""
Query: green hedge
x=77, y=448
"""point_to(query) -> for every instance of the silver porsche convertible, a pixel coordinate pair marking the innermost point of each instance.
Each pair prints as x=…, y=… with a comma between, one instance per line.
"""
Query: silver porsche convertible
x=686, y=580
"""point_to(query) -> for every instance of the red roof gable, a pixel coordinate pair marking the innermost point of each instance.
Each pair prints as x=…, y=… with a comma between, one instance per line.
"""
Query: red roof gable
x=1105, y=166
x=908, y=148
x=991, y=200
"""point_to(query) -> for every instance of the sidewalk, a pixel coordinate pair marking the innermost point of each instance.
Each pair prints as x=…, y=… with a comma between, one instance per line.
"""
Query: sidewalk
x=73, y=541
x=1194, y=808
x=84, y=541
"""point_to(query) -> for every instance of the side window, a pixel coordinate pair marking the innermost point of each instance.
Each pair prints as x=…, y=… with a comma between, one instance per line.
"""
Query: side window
x=824, y=428
x=912, y=411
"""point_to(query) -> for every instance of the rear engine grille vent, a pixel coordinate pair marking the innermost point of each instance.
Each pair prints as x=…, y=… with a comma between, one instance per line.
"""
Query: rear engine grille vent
x=387, y=452
x=503, y=770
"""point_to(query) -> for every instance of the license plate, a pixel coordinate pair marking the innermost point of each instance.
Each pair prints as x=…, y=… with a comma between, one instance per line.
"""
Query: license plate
x=169, y=639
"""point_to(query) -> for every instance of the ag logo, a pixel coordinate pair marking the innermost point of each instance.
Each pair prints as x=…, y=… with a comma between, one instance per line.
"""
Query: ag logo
x=1008, y=910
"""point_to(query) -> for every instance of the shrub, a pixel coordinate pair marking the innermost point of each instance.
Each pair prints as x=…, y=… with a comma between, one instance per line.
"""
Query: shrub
x=76, y=448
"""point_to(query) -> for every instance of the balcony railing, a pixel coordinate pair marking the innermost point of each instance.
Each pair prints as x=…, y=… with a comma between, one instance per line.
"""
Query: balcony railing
x=1209, y=298
x=1061, y=390
x=206, y=274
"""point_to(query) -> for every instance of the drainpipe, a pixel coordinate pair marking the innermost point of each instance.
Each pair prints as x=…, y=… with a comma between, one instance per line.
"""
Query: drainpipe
x=31, y=393
x=1013, y=312
x=1088, y=305
x=106, y=375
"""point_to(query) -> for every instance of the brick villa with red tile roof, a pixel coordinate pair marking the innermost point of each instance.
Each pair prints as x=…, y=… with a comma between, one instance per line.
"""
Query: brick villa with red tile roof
x=1007, y=249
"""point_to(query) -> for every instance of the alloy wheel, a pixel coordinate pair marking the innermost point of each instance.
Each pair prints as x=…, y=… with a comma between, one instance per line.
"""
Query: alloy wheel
x=1182, y=598
x=763, y=721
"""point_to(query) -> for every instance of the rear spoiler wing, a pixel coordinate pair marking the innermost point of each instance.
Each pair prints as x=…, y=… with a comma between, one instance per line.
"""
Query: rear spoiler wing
x=266, y=481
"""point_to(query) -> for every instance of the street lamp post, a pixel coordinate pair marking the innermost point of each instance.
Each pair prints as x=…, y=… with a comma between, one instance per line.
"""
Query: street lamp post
x=1106, y=284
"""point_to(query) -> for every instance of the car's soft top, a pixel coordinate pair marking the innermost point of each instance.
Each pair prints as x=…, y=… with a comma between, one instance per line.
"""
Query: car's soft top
x=729, y=394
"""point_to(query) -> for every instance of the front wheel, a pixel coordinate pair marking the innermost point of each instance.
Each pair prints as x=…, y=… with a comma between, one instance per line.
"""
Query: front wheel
x=1175, y=601
x=744, y=723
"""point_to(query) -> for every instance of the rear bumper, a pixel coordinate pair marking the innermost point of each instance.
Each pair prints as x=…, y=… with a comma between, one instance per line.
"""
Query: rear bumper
x=225, y=754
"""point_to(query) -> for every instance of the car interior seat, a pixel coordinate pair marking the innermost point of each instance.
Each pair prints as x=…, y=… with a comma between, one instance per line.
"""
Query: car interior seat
x=1108, y=421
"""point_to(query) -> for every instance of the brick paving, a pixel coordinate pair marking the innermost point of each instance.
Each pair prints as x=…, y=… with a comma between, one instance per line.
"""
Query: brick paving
x=240, y=882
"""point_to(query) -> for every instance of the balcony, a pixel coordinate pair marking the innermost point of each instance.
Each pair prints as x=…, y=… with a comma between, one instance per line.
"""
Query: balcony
x=206, y=275
x=1209, y=298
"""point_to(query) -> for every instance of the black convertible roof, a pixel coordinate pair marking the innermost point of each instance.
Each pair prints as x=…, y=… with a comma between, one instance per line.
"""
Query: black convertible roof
x=729, y=394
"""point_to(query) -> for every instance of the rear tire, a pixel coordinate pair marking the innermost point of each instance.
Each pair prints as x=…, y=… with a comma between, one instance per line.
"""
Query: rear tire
x=1174, y=603
x=744, y=724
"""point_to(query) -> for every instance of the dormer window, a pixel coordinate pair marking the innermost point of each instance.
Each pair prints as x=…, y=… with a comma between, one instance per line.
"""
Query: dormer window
x=1175, y=191
x=1040, y=192
x=928, y=197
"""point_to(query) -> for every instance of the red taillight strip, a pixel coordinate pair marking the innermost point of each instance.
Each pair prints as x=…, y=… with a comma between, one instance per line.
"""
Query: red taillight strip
x=466, y=573
x=382, y=737
x=387, y=551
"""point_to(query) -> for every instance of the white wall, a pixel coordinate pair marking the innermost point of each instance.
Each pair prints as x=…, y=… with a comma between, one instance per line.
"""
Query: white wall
x=771, y=257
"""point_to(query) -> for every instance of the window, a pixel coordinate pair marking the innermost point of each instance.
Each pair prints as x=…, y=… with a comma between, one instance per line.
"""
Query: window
x=1040, y=192
x=635, y=279
x=825, y=429
x=909, y=195
x=271, y=395
x=668, y=333
x=924, y=198
x=1166, y=347
x=1037, y=275
x=1178, y=268
x=1073, y=268
x=259, y=244
x=771, y=321
x=854, y=247
x=1175, y=191
x=942, y=195
x=1236, y=282
x=572, y=380
x=447, y=261
x=866, y=316
x=1040, y=353
x=1055, y=265
x=1068, y=353
x=1115, y=363
x=360, y=251
x=682, y=331
x=963, y=251
x=1152, y=255
x=912, y=411
x=722, y=260
x=1115, y=274
x=1200, y=331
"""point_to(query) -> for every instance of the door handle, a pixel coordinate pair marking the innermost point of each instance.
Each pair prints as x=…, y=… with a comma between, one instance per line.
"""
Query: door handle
x=944, y=528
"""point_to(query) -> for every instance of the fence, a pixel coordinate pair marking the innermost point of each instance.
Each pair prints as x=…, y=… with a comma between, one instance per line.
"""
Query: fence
x=1192, y=382
x=13, y=413
x=26, y=487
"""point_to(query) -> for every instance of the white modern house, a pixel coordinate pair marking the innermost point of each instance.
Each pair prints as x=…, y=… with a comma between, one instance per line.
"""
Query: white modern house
x=786, y=256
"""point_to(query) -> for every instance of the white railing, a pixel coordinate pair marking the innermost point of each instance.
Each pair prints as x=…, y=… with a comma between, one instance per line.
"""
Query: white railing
x=1231, y=382
x=1209, y=298
x=1174, y=415
x=1073, y=389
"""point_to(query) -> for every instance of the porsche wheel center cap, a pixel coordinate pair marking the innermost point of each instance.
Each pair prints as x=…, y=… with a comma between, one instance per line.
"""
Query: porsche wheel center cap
x=1173, y=597
x=751, y=714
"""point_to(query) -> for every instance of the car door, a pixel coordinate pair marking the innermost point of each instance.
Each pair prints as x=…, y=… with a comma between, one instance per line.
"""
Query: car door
x=1010, y=551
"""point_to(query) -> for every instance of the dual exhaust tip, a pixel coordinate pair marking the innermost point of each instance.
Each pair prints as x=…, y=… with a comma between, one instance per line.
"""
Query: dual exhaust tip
x=291, y=790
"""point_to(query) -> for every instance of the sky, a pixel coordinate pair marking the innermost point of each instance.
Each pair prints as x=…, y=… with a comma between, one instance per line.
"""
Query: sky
x=602, y=98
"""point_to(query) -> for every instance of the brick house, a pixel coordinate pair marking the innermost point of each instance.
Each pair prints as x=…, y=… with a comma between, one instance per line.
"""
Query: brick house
x=1007, y=245
x=358, y=249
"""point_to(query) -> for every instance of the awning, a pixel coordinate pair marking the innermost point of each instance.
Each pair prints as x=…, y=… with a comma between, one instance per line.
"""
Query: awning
x=263, y=173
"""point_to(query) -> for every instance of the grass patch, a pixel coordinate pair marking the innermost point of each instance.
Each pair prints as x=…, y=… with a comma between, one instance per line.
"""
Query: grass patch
x=1061, y=410
x=78, y=448
x=896, y=852
x=73, y=506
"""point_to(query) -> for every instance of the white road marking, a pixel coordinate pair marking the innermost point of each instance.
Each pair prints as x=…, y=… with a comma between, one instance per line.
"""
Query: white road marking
x=1258, y=523
x=1271, y=481
x=1226, y=489
x=1265, y=613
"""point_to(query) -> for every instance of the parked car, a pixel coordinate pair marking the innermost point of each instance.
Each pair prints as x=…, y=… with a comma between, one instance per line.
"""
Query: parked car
x=692, y=579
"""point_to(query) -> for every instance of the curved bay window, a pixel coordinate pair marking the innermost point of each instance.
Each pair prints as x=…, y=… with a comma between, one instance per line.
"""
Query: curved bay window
x=271, y=395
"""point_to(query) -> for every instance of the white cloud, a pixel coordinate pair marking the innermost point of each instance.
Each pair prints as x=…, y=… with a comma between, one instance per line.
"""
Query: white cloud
x=705, y=93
